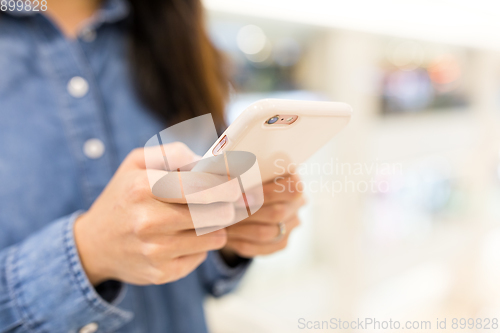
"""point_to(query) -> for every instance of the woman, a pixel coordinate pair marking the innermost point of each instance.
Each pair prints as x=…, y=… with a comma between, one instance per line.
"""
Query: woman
x=84, y=245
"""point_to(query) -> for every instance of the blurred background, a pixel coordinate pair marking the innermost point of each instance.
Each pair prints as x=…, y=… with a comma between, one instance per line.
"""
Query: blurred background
x=423, y=78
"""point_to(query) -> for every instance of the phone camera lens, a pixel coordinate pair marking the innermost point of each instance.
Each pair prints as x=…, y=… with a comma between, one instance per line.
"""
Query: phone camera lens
x=273, y=120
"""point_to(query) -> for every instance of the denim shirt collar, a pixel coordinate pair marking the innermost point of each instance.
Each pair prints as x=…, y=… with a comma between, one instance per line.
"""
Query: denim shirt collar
x=111, y=11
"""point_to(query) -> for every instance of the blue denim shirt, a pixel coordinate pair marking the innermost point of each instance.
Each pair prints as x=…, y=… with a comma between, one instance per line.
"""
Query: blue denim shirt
x=50, y=172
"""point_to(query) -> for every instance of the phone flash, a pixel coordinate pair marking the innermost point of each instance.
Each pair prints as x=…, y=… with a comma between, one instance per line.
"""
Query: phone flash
x=290, y=119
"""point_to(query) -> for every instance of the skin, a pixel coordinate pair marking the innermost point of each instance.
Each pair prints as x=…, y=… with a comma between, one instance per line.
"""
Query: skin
x=70, y=16
x=129, y=235
x=257, y=235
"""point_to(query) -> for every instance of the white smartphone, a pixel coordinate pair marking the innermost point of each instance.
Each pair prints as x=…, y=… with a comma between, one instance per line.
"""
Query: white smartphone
x=281, y=132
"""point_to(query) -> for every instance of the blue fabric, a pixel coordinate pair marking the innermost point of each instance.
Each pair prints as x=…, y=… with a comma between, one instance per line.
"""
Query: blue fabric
x=46, y=180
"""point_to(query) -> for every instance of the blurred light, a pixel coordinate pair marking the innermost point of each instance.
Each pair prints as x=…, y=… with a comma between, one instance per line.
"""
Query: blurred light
x=287, y=52
x=251, y=39
x=468, y=23
x=409, y=90
x=262, y=55
x=407, y=55
x=412, y=289
x=445, y=70
x=490, y=259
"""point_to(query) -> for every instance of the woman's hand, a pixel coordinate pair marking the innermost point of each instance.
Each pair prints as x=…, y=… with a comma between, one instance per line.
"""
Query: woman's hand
x=128, y=235
x=260, y=233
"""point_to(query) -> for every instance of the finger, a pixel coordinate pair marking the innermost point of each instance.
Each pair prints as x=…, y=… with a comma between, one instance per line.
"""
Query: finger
x=178, y=268
x=248, y=249
x=281, y=189
x=187, y=264
x=260, y=233
x=219, y=214
x=168, y=247
x=193, y=187
x=160, y=157
x=187, y=243
x=176, y=217
x=276, y=212
x=169, y=218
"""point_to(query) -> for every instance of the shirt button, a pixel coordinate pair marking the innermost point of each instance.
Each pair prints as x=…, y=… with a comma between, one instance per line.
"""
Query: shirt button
x=89, y=328
x=93, y=148
x=78, y=87
x=88, y=34
x=219, y=289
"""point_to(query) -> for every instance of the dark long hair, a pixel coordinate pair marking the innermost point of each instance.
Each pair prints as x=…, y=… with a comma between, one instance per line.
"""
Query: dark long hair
x=178, y=71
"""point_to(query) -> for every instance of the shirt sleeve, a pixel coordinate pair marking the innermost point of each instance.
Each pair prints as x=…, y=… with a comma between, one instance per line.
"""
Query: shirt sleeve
x=218, y=277
x=43, y=287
